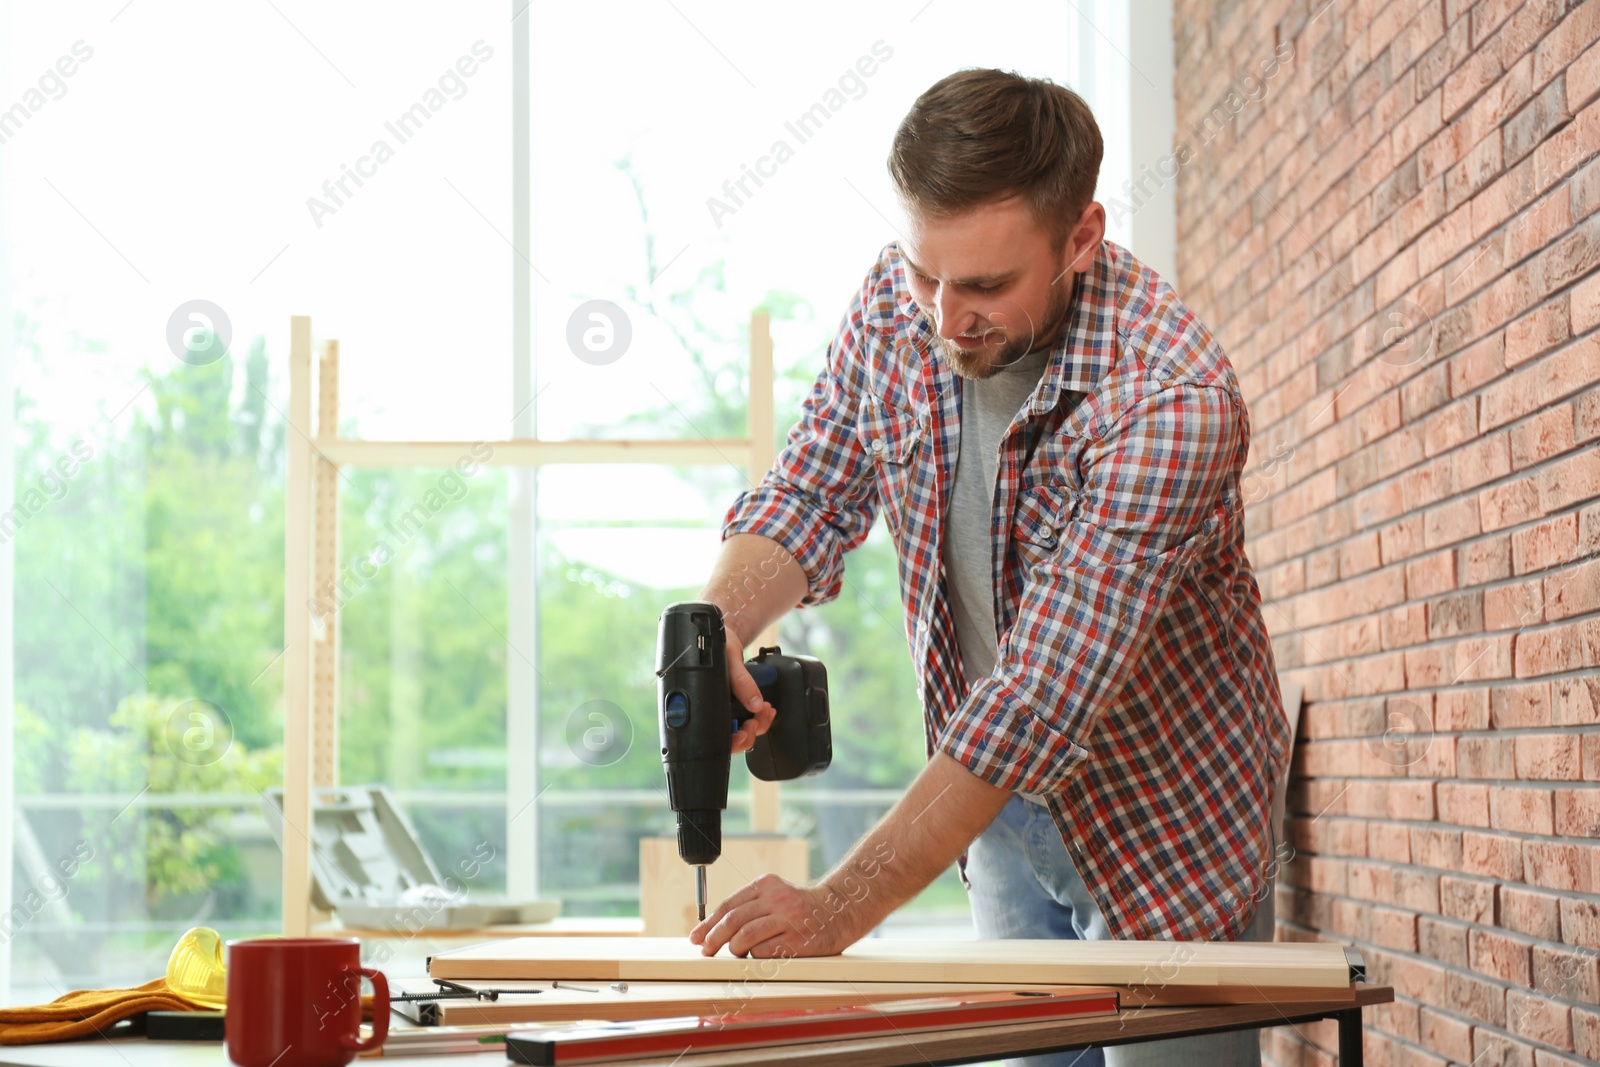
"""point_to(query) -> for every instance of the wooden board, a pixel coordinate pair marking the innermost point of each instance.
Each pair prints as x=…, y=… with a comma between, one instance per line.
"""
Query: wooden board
x=561, y=926
x=655, y=1000
x=666, y=883
x=1311, y=965
x=659, y=1000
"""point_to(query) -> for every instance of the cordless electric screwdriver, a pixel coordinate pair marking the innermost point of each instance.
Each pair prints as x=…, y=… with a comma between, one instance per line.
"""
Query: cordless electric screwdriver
x=699, y=716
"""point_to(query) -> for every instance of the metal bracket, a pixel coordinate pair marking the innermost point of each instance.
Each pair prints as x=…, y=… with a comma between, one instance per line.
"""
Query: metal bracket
x=1358, y=964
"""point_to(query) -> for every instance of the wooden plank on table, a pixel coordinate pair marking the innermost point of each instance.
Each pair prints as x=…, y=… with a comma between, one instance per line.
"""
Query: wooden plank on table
x=659, y=1000
x=1144, y=963
x=655, y=1000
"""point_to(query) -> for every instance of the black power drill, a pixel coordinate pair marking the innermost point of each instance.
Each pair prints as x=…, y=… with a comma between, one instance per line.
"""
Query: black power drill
x=699, y=716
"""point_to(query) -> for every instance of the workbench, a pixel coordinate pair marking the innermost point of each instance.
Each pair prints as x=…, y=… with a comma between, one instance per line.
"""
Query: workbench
x=946, y=1047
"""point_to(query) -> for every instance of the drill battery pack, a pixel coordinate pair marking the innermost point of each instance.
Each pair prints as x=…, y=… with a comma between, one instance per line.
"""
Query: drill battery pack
x=800, y=741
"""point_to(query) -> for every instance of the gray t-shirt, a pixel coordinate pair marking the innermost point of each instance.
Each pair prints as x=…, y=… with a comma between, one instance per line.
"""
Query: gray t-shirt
x=987, y=410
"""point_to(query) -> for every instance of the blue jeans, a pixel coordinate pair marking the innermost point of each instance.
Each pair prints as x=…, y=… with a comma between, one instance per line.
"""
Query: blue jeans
x=1024, y=885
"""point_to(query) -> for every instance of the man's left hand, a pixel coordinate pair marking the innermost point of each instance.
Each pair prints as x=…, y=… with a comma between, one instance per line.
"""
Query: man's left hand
x=771, y=918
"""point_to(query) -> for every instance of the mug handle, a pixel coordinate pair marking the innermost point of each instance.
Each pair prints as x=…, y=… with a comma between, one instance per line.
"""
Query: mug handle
x=380, y=1013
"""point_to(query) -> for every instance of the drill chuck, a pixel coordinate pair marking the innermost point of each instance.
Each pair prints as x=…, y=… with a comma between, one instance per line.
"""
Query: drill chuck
x=700, y=836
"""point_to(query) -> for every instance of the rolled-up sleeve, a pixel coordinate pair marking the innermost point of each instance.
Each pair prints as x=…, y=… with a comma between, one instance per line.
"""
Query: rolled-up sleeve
x=1155, y=487
x=818, y=500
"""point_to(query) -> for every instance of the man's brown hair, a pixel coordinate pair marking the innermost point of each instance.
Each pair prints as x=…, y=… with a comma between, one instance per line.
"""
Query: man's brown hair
x=982, y=135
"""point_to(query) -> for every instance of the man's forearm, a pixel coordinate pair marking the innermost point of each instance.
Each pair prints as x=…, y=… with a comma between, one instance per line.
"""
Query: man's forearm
x=946, y=807
x=754, y=581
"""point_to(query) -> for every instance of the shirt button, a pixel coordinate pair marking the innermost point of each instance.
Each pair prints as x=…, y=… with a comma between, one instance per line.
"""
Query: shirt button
x=1047, y=532
x=877, y=445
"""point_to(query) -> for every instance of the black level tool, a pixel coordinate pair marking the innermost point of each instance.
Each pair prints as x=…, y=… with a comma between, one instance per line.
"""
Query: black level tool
x=699, y=717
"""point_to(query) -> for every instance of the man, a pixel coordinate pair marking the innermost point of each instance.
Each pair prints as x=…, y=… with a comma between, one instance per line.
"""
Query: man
x=1056, y=443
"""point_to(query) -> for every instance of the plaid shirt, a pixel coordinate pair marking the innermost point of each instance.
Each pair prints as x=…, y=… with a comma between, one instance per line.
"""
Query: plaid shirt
x=1135, y=687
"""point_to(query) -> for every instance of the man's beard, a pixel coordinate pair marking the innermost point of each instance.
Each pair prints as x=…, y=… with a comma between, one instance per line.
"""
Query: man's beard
x=1005, y=343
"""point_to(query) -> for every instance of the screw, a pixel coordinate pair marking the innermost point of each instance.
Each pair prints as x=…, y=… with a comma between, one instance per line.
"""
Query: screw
x=620, y=987
x=579, y=988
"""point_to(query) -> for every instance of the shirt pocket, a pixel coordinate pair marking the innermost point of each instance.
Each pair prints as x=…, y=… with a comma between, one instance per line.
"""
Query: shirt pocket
x=1037, y=522
x=891, y=438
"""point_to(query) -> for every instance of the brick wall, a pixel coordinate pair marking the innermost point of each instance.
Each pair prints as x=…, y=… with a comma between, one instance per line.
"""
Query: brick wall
x=1387, y=214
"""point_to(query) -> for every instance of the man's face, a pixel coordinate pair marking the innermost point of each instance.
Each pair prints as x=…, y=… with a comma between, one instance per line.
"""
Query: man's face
x=994, y=280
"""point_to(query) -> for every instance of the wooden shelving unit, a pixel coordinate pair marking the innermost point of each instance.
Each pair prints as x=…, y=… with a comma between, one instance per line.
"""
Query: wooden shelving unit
x=311, y=556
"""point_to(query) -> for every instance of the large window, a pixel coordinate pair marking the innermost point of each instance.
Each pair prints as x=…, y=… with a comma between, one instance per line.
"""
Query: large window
x=173, y=186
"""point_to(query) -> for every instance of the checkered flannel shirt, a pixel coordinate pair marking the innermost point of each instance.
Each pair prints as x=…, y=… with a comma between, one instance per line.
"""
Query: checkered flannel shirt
x=1135, y=688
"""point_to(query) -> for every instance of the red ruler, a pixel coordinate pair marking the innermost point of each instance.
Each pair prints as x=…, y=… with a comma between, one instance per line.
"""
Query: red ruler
x=551, y=1046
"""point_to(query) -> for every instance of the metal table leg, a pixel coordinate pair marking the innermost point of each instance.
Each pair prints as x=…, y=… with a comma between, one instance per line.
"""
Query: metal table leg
x=1350, y=1038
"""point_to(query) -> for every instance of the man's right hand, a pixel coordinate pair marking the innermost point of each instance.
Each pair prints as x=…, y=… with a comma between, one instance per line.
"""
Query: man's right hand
x=748, y=694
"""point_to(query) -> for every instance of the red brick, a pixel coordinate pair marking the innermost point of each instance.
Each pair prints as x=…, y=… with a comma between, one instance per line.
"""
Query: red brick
x=1439, y=848
x=1477, y=365
x=1443, y=941
x=1419, y=979
x=1549, y=757
x=1539, y=1018
x=1562, y=972
x=1583, y=78
x=1403, y=539
x=1384, y=843
x=1486, y=560
x=1359, y=555
x=1580, y=923
x=1393, y=928
x=1446, y=1035
x=1547, y=434
x=1486, y=757
x=1511, y=607
x=1585, y=310
x=1537, y=332
x=1513, y=706
x=1575, y=367
x=1511, y=399
x=1520, y=810
x=1570, y=480
x=1576, y=702
x=1482, y=658
x=1586, y=1032
x=1485, y=460
x=1416, y=889
x=1410, y=800
x=1552, y=650
x=1467, y=898
x=1553, y=865
x=1435, y=574
x=1492, y=855
x=1425, y=393
x=1450, y=523
x=1588, y=530
x=1529, y=912
x=1463, y=805
x=1449, y=427
x=1427, y=484
x=1458, y=613
x=1405, y=625
x=1492, y=1048
x=1578, y=812
x=1586, y=411
x=1476, y=997
x=1461, y=708
x=1509, y=504
x=1575, y=591
x=1545, y=544
x=1500, y=957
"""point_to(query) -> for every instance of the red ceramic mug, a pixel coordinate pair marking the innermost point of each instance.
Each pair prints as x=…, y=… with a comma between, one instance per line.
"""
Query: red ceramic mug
x=296, y=1002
